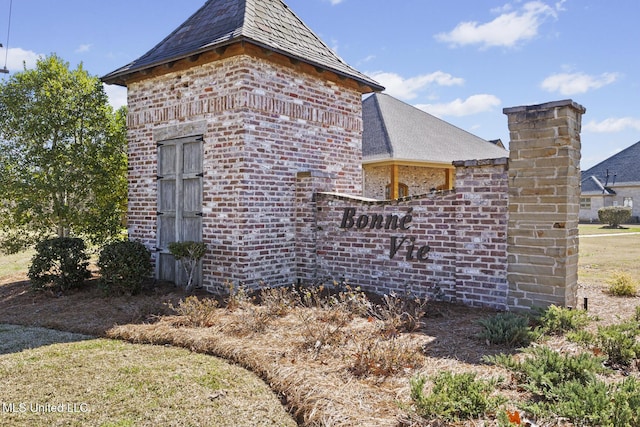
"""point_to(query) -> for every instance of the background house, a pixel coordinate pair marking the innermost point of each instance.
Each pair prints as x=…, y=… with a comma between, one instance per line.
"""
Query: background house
x=613, y=182
x=407, y=151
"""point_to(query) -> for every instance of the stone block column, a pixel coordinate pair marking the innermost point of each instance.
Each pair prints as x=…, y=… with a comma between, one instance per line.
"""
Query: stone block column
x=544, y=203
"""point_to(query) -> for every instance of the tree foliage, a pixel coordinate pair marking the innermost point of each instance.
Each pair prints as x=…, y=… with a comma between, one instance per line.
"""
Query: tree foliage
x=62, y=157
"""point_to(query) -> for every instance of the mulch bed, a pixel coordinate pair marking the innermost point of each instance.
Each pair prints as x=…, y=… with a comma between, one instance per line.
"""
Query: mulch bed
x=317, y=390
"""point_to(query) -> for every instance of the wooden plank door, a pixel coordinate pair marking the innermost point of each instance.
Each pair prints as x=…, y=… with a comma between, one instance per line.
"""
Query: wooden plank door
x=180, y=174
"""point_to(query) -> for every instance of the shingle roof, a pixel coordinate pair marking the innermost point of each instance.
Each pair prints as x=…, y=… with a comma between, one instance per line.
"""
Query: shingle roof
x=394, y=130
x=266, y=23
x=619, y=169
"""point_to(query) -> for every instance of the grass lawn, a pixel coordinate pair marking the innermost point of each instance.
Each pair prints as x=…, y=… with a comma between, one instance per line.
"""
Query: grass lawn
x=102, y=382
x=601, y=256
x=15, y=264
x=592, y=229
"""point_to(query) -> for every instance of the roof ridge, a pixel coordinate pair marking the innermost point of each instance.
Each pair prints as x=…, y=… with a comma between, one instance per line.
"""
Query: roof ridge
x=387, y=139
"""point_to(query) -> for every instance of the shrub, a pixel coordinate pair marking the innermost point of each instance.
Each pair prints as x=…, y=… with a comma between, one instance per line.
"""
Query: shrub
x=560, y=385
x=278, y=301
x=619, y=342
x=124, y=266
x=188, y=254
x=455, y=397
x=199, y=312
x=400, y=314
x=593, y=404
x=626, y=402
x=622, y=285
x=614, y=215
x=545, y=369
x=507, y=328
x=557, y=320
x=59, y=264
x=382, y=358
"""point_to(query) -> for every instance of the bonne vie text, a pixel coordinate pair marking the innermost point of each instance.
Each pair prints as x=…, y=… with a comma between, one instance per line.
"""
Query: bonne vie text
x=413, y=251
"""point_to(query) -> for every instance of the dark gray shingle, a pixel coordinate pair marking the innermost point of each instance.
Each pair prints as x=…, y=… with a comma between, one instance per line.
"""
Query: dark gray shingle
x=394, y=130
x=266, y=23
x=620, y=169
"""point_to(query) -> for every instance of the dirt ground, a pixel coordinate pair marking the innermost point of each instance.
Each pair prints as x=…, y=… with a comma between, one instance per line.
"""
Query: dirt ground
x=88, y=311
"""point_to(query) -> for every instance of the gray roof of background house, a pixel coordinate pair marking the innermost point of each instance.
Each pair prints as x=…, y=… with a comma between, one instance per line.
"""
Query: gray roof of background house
x=266, y=23
x=394, y=130
x=620, y=169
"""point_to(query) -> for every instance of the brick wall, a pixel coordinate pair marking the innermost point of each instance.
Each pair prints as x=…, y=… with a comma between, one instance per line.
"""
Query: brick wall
x=282, y=148
x=451, y=245
x=262, y=123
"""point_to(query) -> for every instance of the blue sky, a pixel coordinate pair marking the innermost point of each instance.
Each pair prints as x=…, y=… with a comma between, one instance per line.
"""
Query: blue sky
x=461, y=60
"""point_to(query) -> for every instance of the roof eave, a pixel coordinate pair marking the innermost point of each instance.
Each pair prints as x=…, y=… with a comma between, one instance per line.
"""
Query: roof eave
x=119, y=77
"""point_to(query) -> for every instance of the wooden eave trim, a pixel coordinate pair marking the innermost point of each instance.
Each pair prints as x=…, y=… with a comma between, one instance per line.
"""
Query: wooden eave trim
x=433, y=165
x=242, y=48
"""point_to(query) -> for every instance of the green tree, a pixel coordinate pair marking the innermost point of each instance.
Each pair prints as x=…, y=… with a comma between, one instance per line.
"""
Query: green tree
x=63, y=161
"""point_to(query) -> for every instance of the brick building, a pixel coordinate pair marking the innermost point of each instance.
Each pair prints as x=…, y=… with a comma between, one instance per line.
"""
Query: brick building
x=222, y=115
x=245, y=132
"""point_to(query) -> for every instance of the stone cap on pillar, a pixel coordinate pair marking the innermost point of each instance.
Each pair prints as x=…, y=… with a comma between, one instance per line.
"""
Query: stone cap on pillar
x=545, y=106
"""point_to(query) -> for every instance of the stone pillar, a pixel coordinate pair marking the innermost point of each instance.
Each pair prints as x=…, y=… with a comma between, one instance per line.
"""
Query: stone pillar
x=544, y=203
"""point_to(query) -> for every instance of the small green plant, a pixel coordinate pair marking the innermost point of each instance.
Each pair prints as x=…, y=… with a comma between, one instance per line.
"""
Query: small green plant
x=636, y=317
x=455, y=397
x=545, y=369
x=124, y=265
x=558, y=320
x=619, y=343
x=614, y=215
x=59, y=264
x=568, y=386
x=199, y=312
x=188, y=254
x=584, y=404
x=507, y=328
x=622, y=285
x=625, y=402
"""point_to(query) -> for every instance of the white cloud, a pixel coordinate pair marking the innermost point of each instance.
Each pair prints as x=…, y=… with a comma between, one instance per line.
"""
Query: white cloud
x=576, y=83
x=335, y=2
x=19, y=58
x=507, y=30
x=83, y=48
x=472, y=105
x=117, y=95
x=613, y=125
x=408, y=88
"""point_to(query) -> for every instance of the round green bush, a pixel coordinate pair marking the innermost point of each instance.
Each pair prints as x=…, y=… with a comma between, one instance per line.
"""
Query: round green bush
x=124, y=266
x=59, y=264
x=614, y=215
